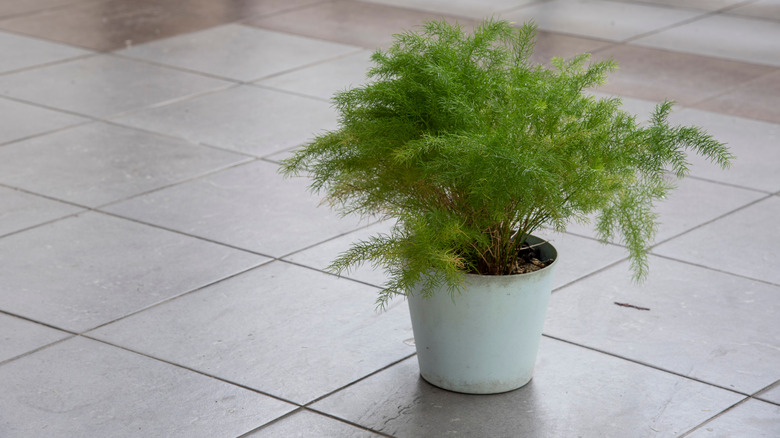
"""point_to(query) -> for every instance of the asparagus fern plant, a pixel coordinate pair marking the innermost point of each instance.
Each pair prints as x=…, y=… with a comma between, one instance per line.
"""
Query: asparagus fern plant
x=470, y=148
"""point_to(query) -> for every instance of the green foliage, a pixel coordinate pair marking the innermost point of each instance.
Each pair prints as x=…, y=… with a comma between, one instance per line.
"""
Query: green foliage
x=471, y=148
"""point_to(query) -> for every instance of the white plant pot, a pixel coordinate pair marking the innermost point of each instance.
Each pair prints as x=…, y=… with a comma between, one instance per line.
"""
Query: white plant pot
x=486, y=340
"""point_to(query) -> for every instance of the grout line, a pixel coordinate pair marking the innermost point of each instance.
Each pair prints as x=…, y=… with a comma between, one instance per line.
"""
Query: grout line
x=695, y=428
x=357, y=50
x=736, y=87
x=49, y=63
x=275, y=420
x=300, y=265
x=728, y=184
x=768, y=388
x=710, y=268
x=43, y=347
x=38, y=322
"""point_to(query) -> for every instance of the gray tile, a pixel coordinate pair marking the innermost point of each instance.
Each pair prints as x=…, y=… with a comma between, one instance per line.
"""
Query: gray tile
x=772, y=394
x=765, y=9
x=702, y=324
x=609, y=20
x=19, y=210
x=324, y=79
x=249, y=206
x=693, y=203
x=744, y=243
x=754, y=143
x=20, y=120
x=98, y=163
x=704, y=5
x=723, y=36
x=751, y=419
x=756, y=99
x=574, y=392
x=306, y=424
x=83, y=388
x=18, y=336
x=579, y=257
x=101, y=86
x=282, y=329
x=247, y=119
x=477, y=9
x=87, y=270
x=22, y=52
x=238, y=52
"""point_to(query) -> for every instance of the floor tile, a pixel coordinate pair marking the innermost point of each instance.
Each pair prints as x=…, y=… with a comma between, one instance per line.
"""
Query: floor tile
x=764, y=9
x=101, y=86
x=756, y=100
x=87, y=270
x=98, y=163
x=549, y=45
x=704, y=5
x=349, y=22
x=614, y=21
x=752, y=419
x=21, y=52
x=282, y=329
x=570, y=393
x=19, y=336
x=110, y=24
x=238, y=52
x=656, y=74
x=693, y=203
x=246, y=119
x=249, y=206
x=19, y=120
x=743, y=243
x=723, y=36
x=85, y=388
x=308, y=424
x=772, y=394
x=227, y=11
x=476, y=9
x=753, y=142
x=323, y=80
x=22, y=210
x=700, y=323
x=10, y=8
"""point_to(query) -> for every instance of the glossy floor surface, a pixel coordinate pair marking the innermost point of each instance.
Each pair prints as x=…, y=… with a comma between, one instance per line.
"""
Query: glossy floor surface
x=158, y=278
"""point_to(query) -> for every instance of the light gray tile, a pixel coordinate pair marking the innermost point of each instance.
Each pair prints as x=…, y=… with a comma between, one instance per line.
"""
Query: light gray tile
x=238, y=52
x=478, y=9
x=724, y=36
x=101, y=86
x=693, y=203
x=579, y=257
x=247, y=119
x=282, y=329
x=306, y=424
x=249, y=206
x=22, y=52
x=753, y=419
x=772, y=394
x=744, y=243
x=609, y=20
x=19, y=120
x=87, y=389
x=754, y=143
x=87, y=270
x=703, y=324
x=574, y=392
x=324, y=79
x=18, y=336
x=765, y=9
x=98, y=163
x=704, y=5
x=19, y=210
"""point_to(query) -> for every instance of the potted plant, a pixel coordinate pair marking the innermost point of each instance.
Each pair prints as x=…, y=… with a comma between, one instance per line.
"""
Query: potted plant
x=470, y=148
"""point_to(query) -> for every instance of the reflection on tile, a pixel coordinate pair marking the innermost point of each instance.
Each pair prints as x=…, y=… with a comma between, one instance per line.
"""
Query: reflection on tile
x=608, y=20
x=703, y=324
x=231, y=10
x=568, y=396
x=756, y=100
x=102, y=86
x=21, y=52
x=663, y=75
x=296, y=340
x=98, y=163
x=84, y=388
x=754, y=143
x=18, y=336
x=309, y=424
x=19, y=120
x=246, y=119
x=752, y=419
x=19, y=210
x=723, y=36
x=87, y=270
x=249, y=206
x=349, y=22
x=238, y=52
x=110, y=24
x=744, y=243
x=9, y=8
x=476, y=9
x=549, y=45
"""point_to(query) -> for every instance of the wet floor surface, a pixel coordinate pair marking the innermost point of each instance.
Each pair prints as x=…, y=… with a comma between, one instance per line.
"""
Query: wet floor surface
x=159, y=278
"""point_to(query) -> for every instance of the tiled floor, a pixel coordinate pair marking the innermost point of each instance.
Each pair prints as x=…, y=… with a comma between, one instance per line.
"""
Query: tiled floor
x=158, y=278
